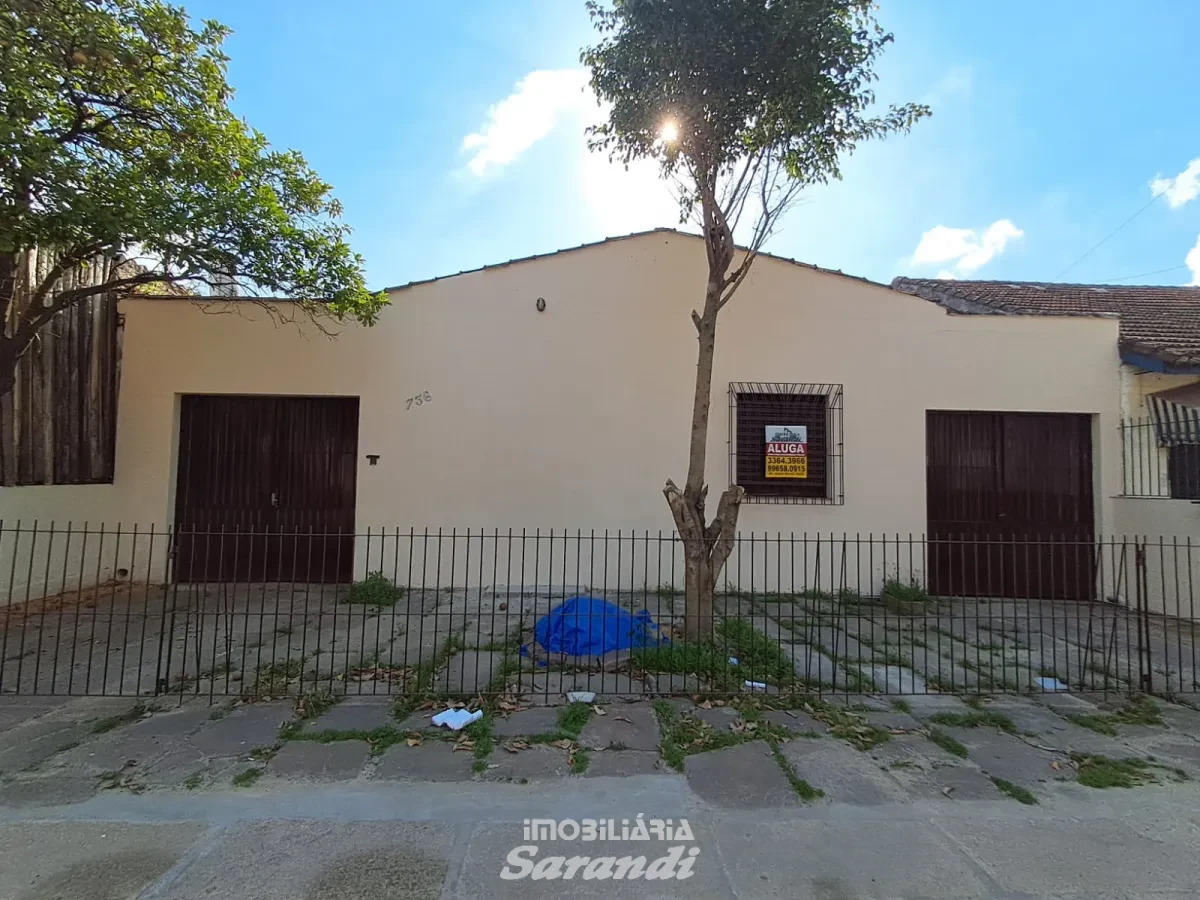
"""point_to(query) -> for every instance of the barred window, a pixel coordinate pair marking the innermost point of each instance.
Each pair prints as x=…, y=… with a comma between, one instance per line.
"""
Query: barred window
x=755, y=408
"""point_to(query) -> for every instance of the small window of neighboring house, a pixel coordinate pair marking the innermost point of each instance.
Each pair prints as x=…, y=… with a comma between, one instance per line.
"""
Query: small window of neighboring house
x=759, y=411
x=1183, y=471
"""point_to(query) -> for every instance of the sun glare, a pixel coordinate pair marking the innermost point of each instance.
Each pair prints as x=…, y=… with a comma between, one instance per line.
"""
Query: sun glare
x=669, y=132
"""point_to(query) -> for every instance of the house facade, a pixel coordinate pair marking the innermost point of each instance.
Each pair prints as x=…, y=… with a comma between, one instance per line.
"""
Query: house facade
x=1159, y=384
x=555, y=393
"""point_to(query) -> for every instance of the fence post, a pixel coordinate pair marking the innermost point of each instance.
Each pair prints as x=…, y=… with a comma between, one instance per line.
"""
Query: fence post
x=1145, y=667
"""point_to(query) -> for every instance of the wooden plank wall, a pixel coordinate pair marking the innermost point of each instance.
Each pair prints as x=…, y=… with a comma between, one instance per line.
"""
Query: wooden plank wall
x=58, y=426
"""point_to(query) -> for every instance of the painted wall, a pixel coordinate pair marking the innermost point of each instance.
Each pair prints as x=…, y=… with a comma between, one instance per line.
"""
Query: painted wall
x=573, y=417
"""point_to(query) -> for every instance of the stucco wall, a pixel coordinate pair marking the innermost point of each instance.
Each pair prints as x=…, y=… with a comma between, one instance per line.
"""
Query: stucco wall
x=573, y=417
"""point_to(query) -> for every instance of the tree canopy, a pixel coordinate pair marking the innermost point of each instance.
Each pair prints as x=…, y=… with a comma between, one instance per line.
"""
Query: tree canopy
x=744, y=103
x=116, y=138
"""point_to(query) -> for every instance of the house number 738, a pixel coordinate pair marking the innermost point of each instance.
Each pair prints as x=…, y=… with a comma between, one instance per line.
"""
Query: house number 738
x=418, y=400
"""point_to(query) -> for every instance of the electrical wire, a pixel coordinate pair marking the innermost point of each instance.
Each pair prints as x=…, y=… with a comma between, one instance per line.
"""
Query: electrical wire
x=1142, y=275
x=1101, y=243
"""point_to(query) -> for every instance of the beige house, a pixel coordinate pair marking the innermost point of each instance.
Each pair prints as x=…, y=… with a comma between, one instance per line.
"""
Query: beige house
x=554, y=392
x=1159, y=389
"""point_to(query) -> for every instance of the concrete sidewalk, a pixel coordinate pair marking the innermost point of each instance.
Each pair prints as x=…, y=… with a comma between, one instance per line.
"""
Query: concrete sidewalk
x=925, y=796
x=431, y=841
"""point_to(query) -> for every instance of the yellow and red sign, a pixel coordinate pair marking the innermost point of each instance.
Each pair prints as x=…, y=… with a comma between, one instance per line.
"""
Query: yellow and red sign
x=787, y=451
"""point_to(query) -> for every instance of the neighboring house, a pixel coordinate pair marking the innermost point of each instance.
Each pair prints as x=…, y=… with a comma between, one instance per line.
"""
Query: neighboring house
x=555, y=392
x=1159, y=382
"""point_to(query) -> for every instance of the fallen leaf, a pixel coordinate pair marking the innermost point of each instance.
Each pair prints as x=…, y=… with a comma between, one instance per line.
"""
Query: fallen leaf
x=493, y=765
x=516, y=746
x=707, y=704
x=897, y=731
x=1055, y=766
x=413, y=741
x=465, y=745
x=718, y=703
x=621, y=719
x=947, y=791
x=788, y=712
x=598, y=711
x=563, y=744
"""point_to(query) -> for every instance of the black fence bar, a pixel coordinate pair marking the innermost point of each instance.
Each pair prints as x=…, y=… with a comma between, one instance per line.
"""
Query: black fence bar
x=96, y=609
x=1159, y=461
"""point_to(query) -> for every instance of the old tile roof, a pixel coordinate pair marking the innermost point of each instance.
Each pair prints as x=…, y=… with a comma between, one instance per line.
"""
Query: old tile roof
x=1162, y=323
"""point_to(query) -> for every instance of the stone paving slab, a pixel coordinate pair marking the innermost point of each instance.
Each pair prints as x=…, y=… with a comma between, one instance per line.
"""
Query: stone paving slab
x=532, y=764
x=633, y=726
x=335, y=761
x=248, y=727
x=473, y=670
x=57, y=791
x=624, y=763
x=354, y=715
x=795, y=720
x=719, y=717
x=81, y=861
x=1027, y=715
x=430, y=761
x=1005, y=756
x=286, y=860
x=35, y=742
x=745, y=776
x=19, y=710
x=911, y=750
x=113, y=751
x=541, y=720
x=176, y=722
x=845, y=777
x=957, y=783
x=892, y=720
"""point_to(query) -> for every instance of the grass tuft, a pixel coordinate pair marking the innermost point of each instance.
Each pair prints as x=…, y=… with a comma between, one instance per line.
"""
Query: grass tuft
x=1015, y=791
x=108, y=723
x=947, y=743
x=579, y=762
x=899, y=703
x=247, y=777
x=374, y=590
x=1103, y=772
x=803, y=789
x=572, y=718
x=975, y=719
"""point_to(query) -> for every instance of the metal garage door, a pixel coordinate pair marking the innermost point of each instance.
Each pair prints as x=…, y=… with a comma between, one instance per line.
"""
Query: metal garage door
x=1010, y=504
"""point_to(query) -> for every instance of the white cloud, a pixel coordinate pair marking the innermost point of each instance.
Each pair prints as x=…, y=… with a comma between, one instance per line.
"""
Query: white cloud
x=965, y=248
x=1192, y=261
x=616, y=199
x=1181, y=189
x=946, y=275
x=525, y=116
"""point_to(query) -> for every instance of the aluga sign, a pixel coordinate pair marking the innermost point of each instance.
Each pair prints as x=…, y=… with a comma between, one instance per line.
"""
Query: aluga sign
x=787, y=451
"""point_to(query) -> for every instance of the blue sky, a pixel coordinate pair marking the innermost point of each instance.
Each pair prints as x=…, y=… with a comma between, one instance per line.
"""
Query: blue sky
x=453, y=135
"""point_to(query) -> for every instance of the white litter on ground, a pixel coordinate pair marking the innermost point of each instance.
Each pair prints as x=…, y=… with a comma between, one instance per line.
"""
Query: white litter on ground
x=581, y=697
x=754, y=685
x=457, y=719
x=733, y=661
x=1051, y=684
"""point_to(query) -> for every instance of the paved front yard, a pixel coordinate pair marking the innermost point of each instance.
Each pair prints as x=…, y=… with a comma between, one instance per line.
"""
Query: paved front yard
x=757, y=752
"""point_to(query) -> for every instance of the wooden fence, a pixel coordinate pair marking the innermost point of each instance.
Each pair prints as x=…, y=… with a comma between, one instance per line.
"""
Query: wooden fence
x=58, y=425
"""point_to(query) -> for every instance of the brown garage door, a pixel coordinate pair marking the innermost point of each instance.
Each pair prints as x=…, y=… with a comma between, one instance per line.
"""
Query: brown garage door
x=1010, y=504
x=265, y=488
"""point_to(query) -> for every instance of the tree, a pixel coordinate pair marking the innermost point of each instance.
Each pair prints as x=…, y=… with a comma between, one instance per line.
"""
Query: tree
x=743, y=103
x=117, y=142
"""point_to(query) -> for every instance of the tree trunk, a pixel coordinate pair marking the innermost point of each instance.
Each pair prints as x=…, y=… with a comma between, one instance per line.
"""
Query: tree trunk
x=706, y=546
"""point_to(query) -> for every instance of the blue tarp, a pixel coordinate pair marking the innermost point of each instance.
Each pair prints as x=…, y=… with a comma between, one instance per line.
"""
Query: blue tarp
x=587, y=626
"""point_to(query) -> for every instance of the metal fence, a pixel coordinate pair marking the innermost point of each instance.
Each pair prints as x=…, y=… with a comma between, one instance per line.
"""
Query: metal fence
x=95, y=610
x=1160, y=461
